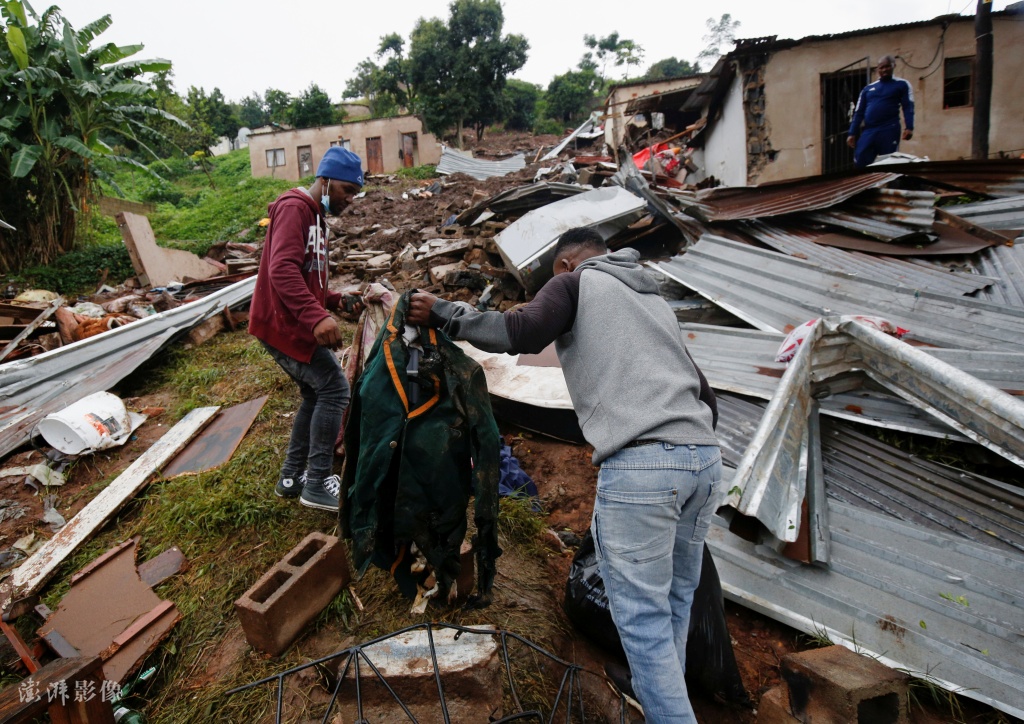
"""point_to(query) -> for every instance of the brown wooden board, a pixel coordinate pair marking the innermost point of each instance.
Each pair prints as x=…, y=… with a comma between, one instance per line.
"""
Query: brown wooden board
x=217, y=443
x=951, y=241
x=109, y=611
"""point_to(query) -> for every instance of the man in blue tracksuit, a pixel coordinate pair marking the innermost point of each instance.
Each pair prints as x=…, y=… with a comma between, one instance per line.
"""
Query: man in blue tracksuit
x=875, y=130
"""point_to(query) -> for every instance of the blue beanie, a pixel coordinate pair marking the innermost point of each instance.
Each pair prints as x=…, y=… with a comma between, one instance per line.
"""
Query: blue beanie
x=341, y=164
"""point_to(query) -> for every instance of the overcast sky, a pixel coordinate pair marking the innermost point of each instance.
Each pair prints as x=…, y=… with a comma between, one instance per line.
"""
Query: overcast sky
x=241, y=47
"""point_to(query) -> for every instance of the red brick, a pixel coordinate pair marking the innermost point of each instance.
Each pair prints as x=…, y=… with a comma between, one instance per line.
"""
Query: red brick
x=293, y=592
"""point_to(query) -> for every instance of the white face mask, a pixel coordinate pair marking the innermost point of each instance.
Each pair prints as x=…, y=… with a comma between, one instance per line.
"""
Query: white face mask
x=325, y=198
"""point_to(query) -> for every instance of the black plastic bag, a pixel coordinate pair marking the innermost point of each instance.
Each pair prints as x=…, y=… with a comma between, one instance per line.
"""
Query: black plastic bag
x=710, y=662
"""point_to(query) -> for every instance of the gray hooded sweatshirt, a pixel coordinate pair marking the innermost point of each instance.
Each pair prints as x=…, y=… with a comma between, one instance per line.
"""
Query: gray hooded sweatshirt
x=620, y=347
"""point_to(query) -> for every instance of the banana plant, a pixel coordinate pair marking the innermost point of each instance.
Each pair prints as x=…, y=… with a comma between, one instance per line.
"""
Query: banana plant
x=65, y=100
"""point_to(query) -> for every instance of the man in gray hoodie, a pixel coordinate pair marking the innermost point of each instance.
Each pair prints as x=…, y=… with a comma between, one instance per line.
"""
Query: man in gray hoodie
x=649, y=413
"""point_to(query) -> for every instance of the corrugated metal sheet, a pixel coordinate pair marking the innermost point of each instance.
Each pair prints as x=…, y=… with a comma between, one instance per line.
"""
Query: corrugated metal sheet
x=743, y=361
x=519, y=199
x=771, y=477
x=995, y=177
x=800, y=243
x=1006, y=213
x=478, y=168
x=774, y=292
x=869, y=474
x=751, y=202
x=875, y=228
x=887, y=591
x=584, y=128
x=1005, y=263
x=34, y=387
x=910, y=208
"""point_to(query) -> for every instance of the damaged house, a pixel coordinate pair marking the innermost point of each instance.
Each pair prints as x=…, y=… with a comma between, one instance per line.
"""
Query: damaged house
x=384, y=144
x=779, y=109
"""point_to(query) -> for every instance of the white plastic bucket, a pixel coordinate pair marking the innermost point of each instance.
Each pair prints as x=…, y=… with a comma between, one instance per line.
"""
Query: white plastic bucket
x=96, y=422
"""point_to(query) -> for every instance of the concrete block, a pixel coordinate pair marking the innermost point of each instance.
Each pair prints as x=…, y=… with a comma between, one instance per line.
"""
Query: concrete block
x=774, y=707
x=293, y=592
x=471, y=673
x=836, y=685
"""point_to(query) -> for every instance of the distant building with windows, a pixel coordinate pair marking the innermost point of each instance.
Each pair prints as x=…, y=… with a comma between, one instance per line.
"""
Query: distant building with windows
x=384, y=144
x=780, y=109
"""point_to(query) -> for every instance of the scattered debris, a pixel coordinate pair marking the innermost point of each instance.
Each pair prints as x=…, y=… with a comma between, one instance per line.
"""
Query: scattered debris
x=111, y=613
x=156, y=265
x=33, y=573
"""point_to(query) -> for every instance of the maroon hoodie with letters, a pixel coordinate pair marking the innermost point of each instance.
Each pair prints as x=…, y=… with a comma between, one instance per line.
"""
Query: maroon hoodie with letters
x=291, y=295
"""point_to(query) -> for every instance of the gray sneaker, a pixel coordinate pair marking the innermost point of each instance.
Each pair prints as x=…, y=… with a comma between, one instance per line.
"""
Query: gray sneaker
x=322, y=494
x=290, y=487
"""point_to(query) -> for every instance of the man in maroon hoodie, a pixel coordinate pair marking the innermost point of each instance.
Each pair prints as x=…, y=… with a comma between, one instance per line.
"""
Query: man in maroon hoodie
x=289, y=316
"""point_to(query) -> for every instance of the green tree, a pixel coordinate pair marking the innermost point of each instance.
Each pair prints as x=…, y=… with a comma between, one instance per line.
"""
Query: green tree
x=519, y=105
x=671, y=68
x=624, y=51
x=213, y=111
x=368, y=83
x=312, y=108
x=63, y=106
x=570, y=95
x=276, y=103
x=252, y=111
x=459, y=69
x=721, y=34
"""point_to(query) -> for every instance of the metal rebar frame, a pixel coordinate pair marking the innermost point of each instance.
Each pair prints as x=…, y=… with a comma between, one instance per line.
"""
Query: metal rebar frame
x=570, y=688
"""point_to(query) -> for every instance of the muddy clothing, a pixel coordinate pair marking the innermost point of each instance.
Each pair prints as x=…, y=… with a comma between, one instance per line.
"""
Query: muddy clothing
x=412, y=466
x=609, y=325
x=291, y=295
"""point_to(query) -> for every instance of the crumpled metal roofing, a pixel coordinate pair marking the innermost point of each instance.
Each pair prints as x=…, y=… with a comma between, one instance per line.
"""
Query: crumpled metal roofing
x=787, y=197
x=33, y=387
x=882, y=594
x=584, y=130
x=773, y=474
x=743, y=361
x=867, y=473
x=478, y=168
x=1005, y=264
x=994, y=177
x=800, y=244
x=520, y=198
x=1005, y=213
x=775, y=292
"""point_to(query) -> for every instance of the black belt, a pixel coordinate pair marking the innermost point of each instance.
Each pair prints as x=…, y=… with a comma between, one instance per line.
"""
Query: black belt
x=641, y=441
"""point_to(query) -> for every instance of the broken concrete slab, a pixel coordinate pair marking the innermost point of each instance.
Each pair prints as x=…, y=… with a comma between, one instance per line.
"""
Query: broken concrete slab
x=468, y=664
x=155, y=265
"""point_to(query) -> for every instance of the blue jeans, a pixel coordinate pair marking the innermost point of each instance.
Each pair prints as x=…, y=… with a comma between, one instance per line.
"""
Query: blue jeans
x=654, y=504
x=325, y=395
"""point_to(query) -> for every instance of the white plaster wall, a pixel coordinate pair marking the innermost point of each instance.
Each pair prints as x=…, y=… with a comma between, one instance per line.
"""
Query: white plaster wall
x=725, y=153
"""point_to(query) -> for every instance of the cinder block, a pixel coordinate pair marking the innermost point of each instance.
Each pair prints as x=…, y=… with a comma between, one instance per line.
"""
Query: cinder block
x=836, y=685
x=293, y=592
x=774, y=707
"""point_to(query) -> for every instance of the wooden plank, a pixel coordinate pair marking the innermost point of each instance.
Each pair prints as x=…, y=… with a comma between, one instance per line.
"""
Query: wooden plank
x=17, y=703
x=154, y=265
x=31, y=327
x=30, y=576
x=218, y=442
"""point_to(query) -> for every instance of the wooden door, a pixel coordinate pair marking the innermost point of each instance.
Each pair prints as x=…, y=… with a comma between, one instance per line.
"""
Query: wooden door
x=409, y=149
x=305, y=155
x=374, y=155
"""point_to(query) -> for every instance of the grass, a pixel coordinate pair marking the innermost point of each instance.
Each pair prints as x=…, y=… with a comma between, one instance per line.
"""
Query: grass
x=194, y=211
